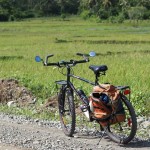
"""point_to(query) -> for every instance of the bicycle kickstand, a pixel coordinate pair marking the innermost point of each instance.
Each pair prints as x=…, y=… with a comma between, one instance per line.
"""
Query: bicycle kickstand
x=104, y=131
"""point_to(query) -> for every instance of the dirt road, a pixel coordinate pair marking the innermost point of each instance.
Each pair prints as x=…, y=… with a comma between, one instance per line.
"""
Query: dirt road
x=10, y=147
x=17, y=133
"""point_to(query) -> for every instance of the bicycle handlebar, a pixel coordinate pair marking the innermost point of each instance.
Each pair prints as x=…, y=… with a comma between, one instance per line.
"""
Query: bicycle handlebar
x=71, y=62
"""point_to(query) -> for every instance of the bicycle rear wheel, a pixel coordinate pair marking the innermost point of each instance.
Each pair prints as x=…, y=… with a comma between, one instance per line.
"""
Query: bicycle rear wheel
x=125, y=131
x=66, y=110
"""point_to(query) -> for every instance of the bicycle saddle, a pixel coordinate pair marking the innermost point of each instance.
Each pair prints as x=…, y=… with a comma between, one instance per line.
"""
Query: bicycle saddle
x=98, y=69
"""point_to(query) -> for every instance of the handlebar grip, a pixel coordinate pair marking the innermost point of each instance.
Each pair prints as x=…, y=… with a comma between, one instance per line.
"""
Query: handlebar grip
x=81, y=61
x=79, y=54
x=46, y=60
x=52, y=64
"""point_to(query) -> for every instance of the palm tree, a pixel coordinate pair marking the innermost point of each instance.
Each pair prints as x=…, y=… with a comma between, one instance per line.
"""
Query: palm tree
x=107, y=3
x=124, y=4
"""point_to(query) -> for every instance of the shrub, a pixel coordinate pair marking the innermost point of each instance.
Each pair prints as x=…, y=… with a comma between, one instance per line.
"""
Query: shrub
x=112, y=19
x=136, y=13
x=117, y=19
x=4, y=15
x=146, y=15
x=63, y=16
x=103, y=14
x=29, y=14
x=121, y=18
x=11, y=18
x=24, y=14
x=85, y=14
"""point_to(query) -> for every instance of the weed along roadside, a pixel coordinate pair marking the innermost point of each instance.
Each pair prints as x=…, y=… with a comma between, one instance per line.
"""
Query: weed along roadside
x=17, y=99
x=11, y=91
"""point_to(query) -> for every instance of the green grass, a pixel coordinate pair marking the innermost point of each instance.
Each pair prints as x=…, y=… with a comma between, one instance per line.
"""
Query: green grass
x=30, y=112
x=124, y=48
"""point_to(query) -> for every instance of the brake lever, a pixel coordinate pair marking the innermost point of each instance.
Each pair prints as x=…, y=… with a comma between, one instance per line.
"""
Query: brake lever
x=84, y=56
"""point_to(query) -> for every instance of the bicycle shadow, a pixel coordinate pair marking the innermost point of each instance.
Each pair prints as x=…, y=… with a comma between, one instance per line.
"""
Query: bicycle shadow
x=135, y=143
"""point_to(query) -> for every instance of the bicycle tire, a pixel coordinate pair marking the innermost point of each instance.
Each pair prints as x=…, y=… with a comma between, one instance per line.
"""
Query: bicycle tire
x=67, y=111
x=128, y=127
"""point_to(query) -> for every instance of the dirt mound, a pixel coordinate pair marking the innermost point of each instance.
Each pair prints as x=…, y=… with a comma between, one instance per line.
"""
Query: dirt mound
x=10, y=90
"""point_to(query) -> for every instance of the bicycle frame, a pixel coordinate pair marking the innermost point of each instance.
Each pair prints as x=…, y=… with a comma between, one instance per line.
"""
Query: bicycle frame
x=68, y=82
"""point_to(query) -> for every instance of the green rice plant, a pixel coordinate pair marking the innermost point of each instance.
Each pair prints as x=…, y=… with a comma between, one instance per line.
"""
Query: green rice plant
x=123, y=48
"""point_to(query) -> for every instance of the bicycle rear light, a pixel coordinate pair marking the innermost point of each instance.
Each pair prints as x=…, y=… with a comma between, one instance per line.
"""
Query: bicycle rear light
x=126, y=92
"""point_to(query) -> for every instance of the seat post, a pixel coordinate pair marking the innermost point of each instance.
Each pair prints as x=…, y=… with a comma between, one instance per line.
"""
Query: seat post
x=96, y=78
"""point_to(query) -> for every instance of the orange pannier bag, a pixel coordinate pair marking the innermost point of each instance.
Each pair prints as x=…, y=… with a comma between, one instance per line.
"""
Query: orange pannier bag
x=103, y=110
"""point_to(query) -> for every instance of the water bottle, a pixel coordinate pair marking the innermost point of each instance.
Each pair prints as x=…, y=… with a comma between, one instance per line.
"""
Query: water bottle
x=85, y=110
x=85, y=107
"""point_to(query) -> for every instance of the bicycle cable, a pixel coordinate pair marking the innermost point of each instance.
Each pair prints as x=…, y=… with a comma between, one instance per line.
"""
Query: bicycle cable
x=62, y=71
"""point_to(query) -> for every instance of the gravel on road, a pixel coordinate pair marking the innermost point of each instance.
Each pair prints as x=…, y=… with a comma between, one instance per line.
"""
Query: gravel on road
x=23, y=133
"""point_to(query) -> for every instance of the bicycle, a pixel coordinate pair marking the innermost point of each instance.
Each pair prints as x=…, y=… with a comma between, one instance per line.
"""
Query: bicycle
x=119, y=130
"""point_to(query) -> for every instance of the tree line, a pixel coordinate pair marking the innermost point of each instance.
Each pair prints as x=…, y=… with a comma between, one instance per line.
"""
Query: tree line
x=11, y=10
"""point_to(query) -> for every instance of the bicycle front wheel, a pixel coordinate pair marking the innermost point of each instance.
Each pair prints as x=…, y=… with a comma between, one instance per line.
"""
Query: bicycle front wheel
x=125, y=131
x=66, y=110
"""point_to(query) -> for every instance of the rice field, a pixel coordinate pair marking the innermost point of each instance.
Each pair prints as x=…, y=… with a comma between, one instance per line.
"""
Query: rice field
x=124, y=48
